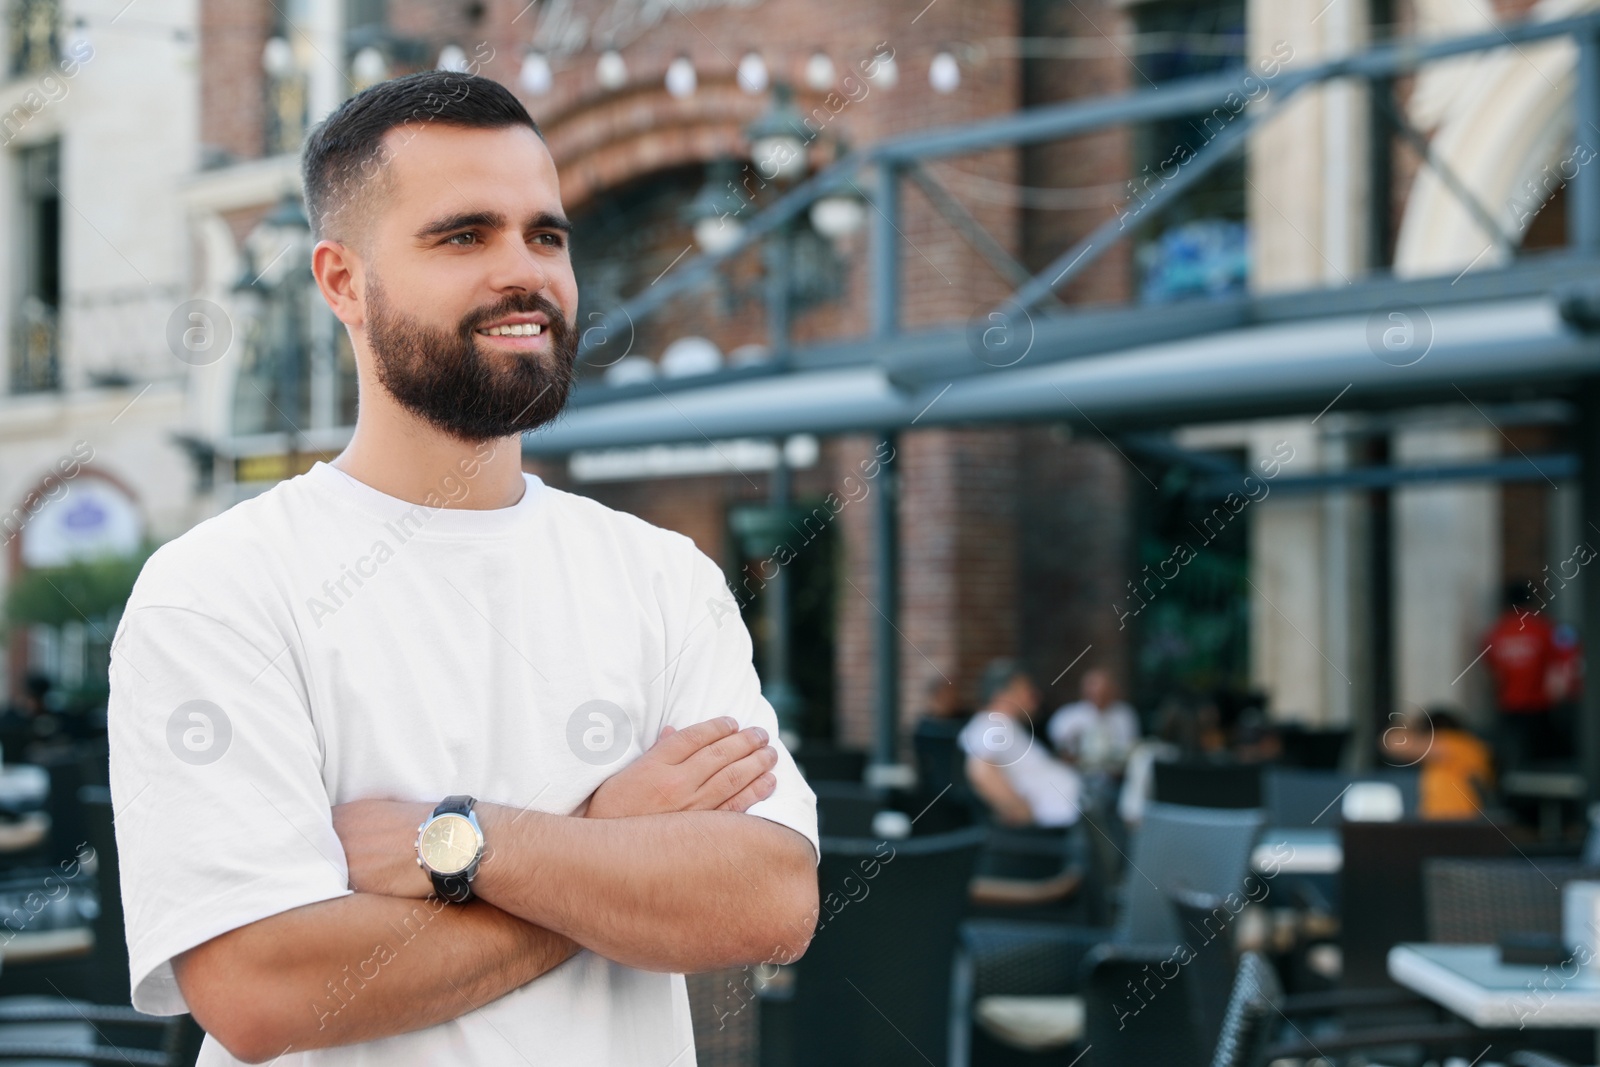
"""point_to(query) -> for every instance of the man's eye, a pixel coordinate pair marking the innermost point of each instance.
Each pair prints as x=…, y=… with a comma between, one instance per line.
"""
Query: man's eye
x=462, y=238
x=551, y=240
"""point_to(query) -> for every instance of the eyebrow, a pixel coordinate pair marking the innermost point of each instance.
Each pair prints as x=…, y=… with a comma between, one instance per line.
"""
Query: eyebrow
x=491, y=220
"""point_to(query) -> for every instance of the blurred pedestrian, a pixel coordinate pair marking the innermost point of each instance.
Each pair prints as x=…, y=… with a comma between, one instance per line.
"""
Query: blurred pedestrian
x=1521, y=653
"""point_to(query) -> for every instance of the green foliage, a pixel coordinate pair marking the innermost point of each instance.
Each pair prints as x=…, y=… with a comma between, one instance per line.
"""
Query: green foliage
x=50, y=596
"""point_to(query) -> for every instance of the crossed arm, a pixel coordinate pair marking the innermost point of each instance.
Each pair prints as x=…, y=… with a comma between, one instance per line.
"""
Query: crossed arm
x=665, y=872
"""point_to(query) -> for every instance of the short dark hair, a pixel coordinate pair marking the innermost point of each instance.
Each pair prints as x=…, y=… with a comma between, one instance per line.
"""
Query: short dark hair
x=342, y=154
x=997, y=675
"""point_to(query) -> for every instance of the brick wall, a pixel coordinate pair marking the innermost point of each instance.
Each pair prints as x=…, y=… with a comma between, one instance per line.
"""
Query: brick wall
x=233, y=34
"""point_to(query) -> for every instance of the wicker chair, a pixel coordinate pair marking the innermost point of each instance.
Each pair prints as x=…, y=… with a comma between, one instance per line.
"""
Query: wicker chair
x=1479, y=901
x=1012, y=970
x=1252, y=1010
x=873, y=985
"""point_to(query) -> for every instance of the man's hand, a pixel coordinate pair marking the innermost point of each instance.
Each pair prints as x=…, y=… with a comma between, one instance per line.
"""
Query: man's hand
x=709, y=766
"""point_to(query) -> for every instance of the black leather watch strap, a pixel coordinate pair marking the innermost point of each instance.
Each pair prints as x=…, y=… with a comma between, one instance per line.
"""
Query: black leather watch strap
x=460, y=804
x=456, y=888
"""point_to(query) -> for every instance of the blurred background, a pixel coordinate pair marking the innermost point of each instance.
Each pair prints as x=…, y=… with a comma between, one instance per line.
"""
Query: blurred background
x=1155, y=445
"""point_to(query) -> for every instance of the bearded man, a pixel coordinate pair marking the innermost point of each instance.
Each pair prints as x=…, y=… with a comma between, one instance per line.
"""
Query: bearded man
x=415, y=758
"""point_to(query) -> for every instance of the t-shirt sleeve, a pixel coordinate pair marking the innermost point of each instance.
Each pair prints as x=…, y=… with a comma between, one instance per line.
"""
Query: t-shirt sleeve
x=222, y=817
x=714, y=673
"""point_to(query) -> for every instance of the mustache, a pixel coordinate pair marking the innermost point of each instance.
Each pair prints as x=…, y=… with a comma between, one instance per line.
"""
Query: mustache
x=517, y=303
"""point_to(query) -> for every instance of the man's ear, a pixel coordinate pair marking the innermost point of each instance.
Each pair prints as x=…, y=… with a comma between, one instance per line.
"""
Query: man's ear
x=338, y=271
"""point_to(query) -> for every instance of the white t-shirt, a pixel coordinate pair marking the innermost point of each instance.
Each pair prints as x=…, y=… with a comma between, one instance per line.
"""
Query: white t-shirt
x=1051, y=788
x=1101, y=740
x=325, y=642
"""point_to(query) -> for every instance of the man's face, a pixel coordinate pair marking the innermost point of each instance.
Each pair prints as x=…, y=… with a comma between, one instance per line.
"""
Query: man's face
x=1021, y=696
x=467, y=258
x=1097, y=688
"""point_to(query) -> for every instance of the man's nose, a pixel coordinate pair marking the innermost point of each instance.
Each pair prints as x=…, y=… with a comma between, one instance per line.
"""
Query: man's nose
x=516, y=268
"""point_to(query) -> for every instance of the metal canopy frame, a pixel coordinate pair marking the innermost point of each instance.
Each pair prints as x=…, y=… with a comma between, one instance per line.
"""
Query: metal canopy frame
x=891, y=366
x=904, y=157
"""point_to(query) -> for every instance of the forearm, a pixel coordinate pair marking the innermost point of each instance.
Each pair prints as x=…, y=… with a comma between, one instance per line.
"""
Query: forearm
x=358, y=968
x=689, y=891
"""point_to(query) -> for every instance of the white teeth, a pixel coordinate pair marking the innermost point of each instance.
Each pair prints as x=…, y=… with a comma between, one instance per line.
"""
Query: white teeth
x=521, y=329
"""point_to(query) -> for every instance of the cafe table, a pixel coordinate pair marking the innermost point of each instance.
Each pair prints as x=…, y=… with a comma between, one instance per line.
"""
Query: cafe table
x=1472, y=982
x=1298, y=850
x=23, y=787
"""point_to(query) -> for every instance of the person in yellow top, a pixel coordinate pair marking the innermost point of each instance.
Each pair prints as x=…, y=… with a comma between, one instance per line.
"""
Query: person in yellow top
x=1456, y=765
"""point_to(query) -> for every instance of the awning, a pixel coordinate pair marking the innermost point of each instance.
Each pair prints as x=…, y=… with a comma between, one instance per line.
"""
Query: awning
x=1362, y=361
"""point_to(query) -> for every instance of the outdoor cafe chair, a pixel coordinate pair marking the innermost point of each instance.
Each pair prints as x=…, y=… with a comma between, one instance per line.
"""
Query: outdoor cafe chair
x=91, y=1020
x=1205, y=850
x=873, y=986
x=1481, y=901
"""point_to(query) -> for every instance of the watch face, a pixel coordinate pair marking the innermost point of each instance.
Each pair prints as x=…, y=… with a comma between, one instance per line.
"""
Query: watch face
x=448, y=844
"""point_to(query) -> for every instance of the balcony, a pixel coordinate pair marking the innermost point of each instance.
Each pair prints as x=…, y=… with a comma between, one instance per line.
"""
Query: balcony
x=34, y=36
x=35, y=366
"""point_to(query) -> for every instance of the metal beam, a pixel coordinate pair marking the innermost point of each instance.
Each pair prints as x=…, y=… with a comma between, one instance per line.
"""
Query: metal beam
x=886, y=724
x=1550, y=467
x=886, y=252
x=1588, y=725
x=1173, y=99
x=968, y=227
x=1187, y=96
x=1489, y=349
x=942, y=354
x=1448, y=177
x=1076, y=260
x=1583, y=225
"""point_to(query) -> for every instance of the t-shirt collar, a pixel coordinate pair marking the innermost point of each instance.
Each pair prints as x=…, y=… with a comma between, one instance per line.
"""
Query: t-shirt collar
x=412, y=518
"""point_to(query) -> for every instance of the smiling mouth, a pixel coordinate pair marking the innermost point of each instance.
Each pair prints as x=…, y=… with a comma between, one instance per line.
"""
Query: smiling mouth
x=517, y=338
x=521, y=329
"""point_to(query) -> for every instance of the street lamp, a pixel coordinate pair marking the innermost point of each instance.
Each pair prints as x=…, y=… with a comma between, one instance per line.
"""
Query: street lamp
x=777, y=139
x=285, y=86
x=838, y=214
x=715, y=211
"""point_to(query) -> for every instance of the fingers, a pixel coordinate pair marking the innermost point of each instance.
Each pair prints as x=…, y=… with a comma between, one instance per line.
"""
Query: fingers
x=703, y=766
x=736, y=777
x=681, y=744
x=755, y=792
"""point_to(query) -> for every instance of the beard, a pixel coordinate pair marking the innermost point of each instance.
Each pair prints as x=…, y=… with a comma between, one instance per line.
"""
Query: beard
x=441, y=376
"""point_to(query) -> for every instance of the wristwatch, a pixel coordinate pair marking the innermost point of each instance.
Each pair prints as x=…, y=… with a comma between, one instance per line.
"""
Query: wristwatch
x=449, y=846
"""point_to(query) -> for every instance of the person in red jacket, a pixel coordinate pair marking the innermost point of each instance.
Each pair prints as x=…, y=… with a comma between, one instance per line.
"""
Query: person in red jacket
x=1522, y=652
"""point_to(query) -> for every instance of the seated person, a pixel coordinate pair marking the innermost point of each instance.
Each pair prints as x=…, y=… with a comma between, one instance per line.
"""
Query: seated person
x=1455, y=763
x=1012, y=772
x=1097, y=732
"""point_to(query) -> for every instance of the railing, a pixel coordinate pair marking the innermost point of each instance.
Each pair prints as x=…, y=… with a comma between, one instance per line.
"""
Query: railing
x=120, y=336
x=892, y=160
x=34, y=364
